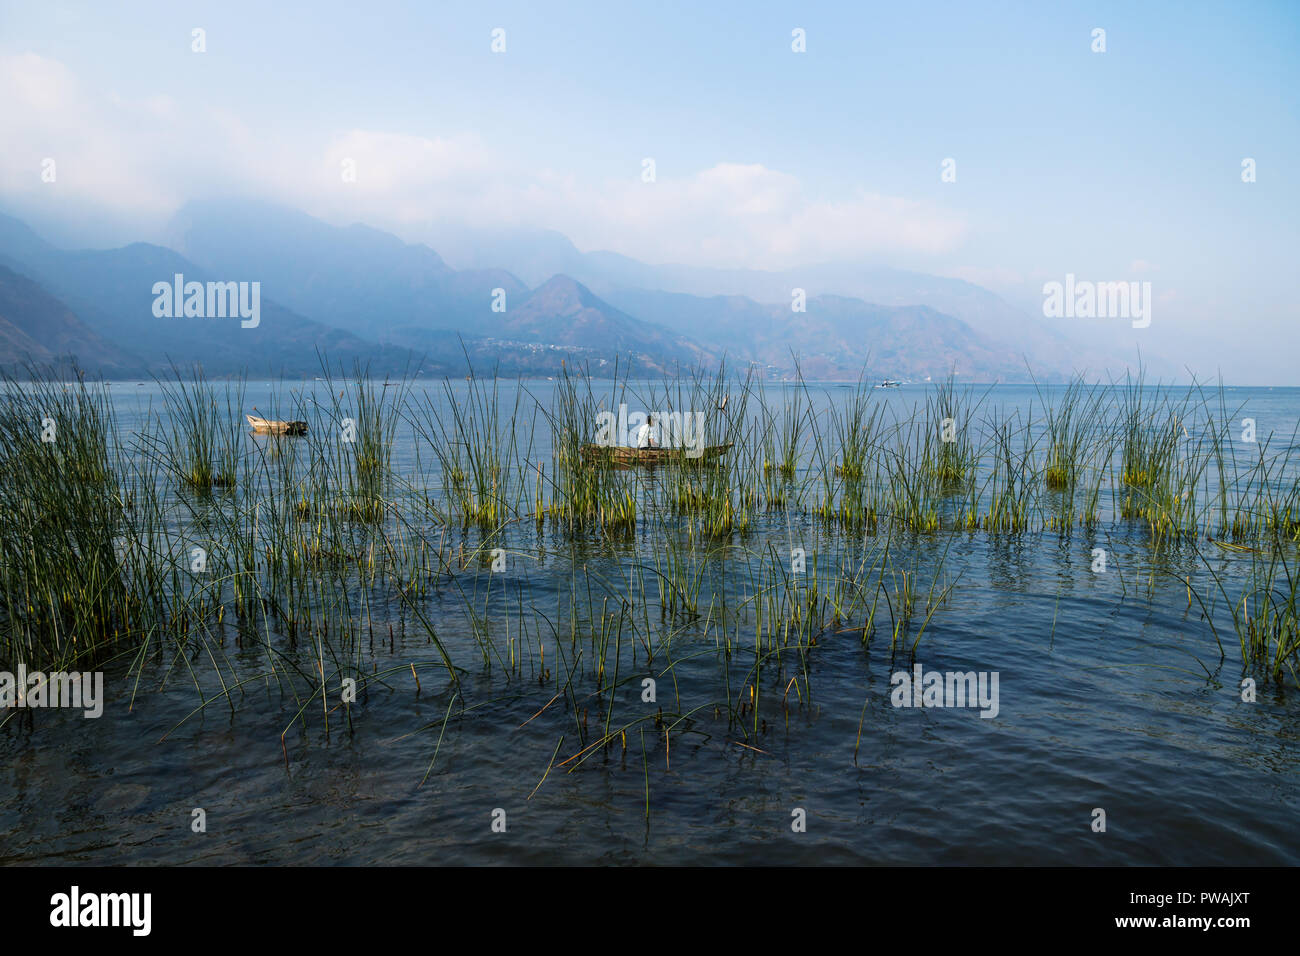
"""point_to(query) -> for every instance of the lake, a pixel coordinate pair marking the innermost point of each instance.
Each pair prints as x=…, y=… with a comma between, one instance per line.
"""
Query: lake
x=526, y=733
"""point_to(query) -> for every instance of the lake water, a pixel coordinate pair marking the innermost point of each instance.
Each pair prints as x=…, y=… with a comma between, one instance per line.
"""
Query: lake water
x=1113, y=694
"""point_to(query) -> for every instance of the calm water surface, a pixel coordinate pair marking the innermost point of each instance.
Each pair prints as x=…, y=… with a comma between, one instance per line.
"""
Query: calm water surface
x=1111, y=696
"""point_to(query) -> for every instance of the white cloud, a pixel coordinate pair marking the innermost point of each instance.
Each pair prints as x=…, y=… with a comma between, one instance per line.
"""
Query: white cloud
x=408, y=177
x=141, y=159
x=137, y=158
x=34, y=83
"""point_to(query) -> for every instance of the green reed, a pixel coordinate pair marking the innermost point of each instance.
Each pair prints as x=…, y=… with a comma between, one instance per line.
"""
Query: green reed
x=322, y=555
x=205, y=435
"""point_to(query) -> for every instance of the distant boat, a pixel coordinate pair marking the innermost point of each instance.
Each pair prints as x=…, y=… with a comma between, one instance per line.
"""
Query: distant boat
x=266, y=426
x=622, y=455
x=889, y=383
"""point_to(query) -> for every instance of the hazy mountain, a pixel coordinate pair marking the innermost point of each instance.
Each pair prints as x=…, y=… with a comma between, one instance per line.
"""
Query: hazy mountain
x=564, y=311
x=372, y=283
x=362, y=280
x=427, y=320
x=836, y=335
x=360, y=294
x=535, y=255
x=630, y=284
x=37, y=328
x=111, y=292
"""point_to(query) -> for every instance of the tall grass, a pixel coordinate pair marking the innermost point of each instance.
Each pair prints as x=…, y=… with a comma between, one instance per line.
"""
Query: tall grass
x=499, y=544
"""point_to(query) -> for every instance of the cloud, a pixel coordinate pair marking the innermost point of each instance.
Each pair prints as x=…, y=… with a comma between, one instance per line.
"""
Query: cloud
x=409, y=177
x=995, y=277
x=142, y=158
x=730, y=214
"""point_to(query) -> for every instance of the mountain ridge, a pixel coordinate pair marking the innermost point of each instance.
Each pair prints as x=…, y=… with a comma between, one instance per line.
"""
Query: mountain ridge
x=360, y=294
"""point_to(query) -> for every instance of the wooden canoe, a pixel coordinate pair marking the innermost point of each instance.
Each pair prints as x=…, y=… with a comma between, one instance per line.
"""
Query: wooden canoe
x=266, y=426
x=623, y=455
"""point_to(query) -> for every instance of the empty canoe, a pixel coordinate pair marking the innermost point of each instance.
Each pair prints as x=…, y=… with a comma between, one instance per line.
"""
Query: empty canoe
x=268, y=427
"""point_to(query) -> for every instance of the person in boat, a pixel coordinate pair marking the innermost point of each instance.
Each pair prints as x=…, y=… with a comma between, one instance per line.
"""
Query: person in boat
x=645, y=435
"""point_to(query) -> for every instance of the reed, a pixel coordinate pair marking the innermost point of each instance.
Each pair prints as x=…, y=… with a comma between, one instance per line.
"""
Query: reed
x=554, y=572
x=1071, y=425
x=205, y=435
x=67, y=517
x=475, y=442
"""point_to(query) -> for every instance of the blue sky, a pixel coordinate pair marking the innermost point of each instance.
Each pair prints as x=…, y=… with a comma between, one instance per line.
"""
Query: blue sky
x=1115, y=165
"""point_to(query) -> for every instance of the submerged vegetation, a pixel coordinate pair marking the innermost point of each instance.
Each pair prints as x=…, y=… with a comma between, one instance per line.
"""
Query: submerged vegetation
x=467, y=519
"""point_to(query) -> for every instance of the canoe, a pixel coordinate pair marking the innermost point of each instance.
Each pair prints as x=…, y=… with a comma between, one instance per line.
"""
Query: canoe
x=623, y=455
x=266, y=426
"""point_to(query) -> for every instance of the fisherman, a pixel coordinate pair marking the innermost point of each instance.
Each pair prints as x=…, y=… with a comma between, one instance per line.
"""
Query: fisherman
x=645, y=435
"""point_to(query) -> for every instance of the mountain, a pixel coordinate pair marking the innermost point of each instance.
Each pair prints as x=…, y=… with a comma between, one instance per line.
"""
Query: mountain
x=534, y=255
x=355, y=278
x=565, y=312
x=111, y=291
x=37, y=328
x=628, y=283
x=412, y=311
x=362, y=295
x=837, y=335
x=373, y=284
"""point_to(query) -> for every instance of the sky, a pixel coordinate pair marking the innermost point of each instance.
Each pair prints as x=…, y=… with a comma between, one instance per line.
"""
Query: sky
x=1117, y=165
